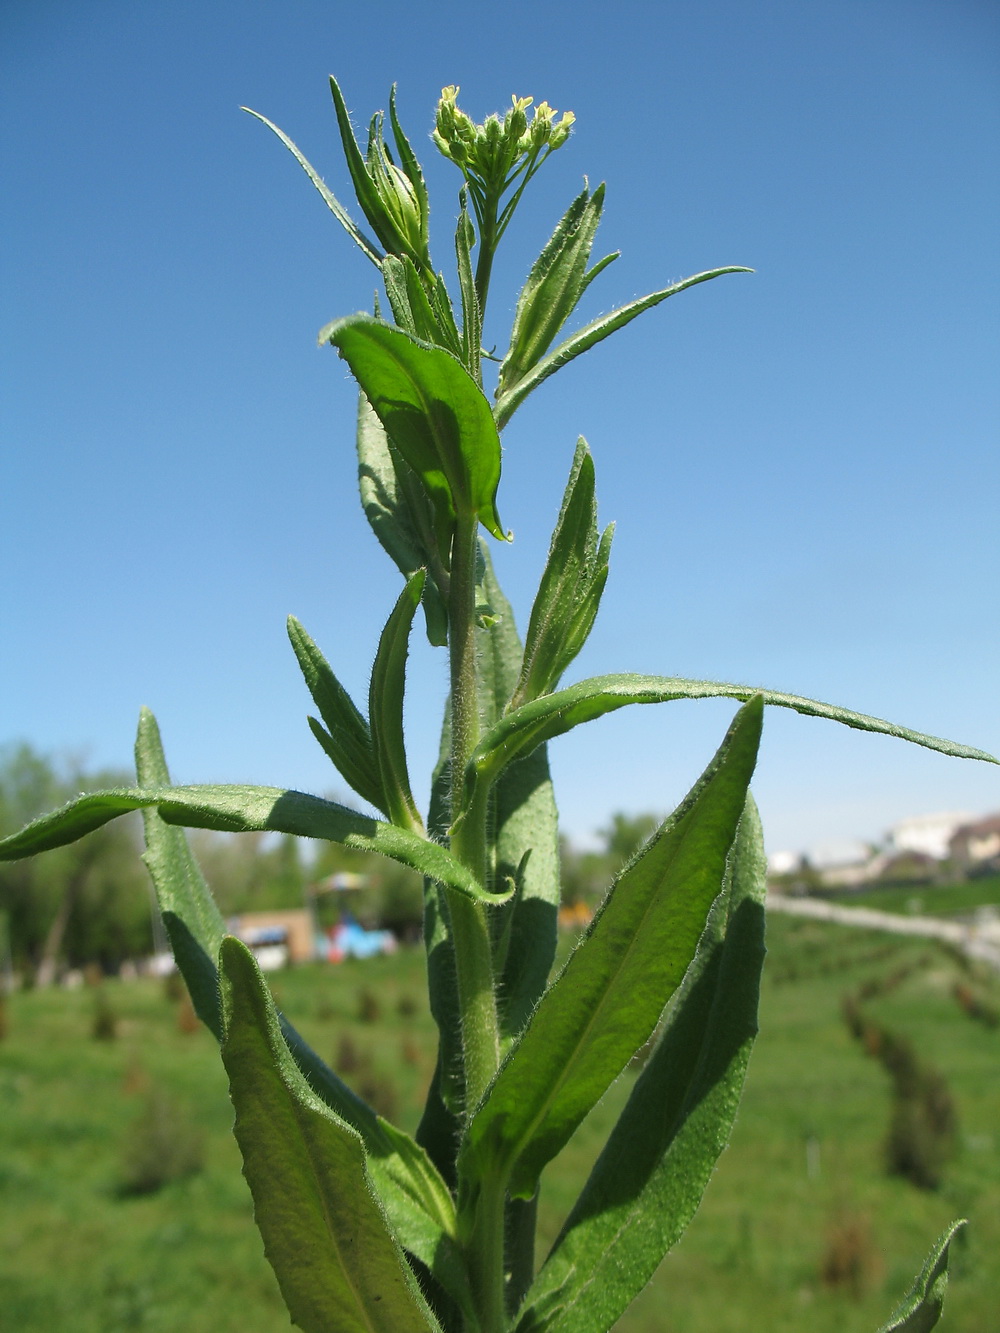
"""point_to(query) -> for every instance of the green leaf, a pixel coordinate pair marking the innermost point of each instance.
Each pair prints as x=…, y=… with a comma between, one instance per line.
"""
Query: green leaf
x=525, y=830
x=412, y=308
x=192, y=920
x=609, y=997
x=557, y=280
x=433, y=412
x=649, y=1179
x=332, y=203
x=347, y=739
x=400, y=514
x=364, y=187
x=581, y=341
x=385, y=708
x=232, y=809
x=516, y=734
x=472, y=315
x=411, y=168
x=920, y=1309
x=416, y=1198
x=569, y=594
x=339, y=1267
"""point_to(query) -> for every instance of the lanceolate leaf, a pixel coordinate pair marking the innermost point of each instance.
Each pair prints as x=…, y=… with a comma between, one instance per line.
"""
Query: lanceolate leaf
x=401, y=515
x=347, y=739
x=433, y=412
x=385, y=708
x=921, y=1308
x=415, y=1196
x=339, y=1267
x=649, y=1179
x=509, y=401
x=557, y=280
x=410, y=165
x=247, y=810
x=569, y=594
x=525, y=830
x=332, y=203
x=610, y=995
x=364, y=186
x=472, y=315
x=193, y=922
x=516, y=734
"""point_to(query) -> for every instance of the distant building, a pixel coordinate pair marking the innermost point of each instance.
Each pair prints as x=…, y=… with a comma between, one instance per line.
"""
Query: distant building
x=928, y=835
x=277, y=937
x=976, y=845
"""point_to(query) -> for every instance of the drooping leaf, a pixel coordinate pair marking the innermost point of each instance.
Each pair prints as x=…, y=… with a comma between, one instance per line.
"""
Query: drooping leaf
x=569, y=594
x=400, y=514
x=385, y=708
x=921, y=1308
x=233, y=809
x=516, y=734
x=609, y=997
x=347, y=738
x=433, y=412
x=339, y=1267
x=650, y=1177
x=331, y=201
x=594, y=332
x=415, y=1197
x=557, y=280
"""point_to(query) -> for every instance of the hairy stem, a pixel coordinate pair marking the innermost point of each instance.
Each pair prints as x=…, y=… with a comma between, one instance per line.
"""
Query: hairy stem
x=470, y=928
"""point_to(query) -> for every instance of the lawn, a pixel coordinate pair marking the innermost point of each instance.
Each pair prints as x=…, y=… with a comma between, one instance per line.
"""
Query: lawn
x=801, y=1189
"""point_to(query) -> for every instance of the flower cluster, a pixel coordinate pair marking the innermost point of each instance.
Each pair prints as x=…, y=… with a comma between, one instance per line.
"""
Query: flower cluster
x=493, y=154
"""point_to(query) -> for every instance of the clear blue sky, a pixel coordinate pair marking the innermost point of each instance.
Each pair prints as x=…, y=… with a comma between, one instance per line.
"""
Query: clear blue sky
x=803, y=463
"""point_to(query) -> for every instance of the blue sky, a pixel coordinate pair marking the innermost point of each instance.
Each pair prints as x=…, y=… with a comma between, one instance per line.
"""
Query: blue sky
x=803, y=463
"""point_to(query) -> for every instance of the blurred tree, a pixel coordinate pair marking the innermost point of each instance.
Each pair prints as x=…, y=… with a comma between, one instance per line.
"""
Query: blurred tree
x=586, y=875
x=88, y=902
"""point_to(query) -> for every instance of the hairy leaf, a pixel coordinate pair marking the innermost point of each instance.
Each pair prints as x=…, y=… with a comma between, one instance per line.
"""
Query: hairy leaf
x=339, y=1267
x=525, y=829
x=650, y=1177
x=347, y=738
x=581, y=341
x=364, y=187
x=472, y=315
x=231, y=809
x=557, y=280
x=569, y=594
x=414, y=1195
x=516, y=734
x=433, y=412
x=610, y=995
x=400, y=514
x=921, y=1308
x=385, y=708
x=331, y=201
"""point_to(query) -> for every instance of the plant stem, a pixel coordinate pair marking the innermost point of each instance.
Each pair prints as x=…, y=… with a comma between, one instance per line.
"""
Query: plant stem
x=486, y=1254
x=469, y=926
x=487, y=248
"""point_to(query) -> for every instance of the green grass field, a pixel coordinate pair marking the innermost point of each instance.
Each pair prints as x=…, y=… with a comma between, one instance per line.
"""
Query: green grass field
x=801, y=1185
x=928, y=899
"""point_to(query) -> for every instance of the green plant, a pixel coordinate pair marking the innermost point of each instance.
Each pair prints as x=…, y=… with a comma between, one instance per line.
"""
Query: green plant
x=162, y=1145
x=366, y=1227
